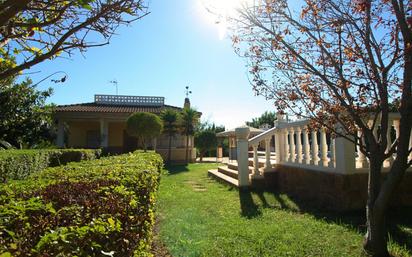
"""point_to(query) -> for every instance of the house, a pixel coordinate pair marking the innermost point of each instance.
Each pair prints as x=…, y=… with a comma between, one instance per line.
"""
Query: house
x=102, y=124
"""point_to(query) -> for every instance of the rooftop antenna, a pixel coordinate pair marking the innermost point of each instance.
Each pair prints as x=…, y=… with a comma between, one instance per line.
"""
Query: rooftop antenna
x=188, y=92
x=114, y=82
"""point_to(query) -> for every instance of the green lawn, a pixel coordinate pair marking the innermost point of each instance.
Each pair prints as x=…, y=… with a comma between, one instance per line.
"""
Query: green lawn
x=201, y=217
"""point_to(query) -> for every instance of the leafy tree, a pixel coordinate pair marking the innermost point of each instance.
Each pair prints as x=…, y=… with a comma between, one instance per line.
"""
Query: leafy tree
x=36, y=30
x=171, y=119
x=25, y=119
x=190, y=118
x=205, y=141
x=266, y=118
x=339, y=62
x=144, y=126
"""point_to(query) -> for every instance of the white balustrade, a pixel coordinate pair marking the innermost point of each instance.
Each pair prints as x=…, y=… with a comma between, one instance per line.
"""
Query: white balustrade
x=286, y=155
x=315, y=148
x=299, y=144
x=323, y=148
x=292, y=157
x=255, y=161
x=306, y=146
x=268, y=165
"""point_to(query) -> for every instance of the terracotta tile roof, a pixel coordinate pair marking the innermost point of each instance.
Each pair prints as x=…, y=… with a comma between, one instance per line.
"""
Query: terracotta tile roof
x=110, y=108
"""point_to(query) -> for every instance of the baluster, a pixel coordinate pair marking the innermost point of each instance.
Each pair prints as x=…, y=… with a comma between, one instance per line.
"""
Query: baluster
x=268, y=165
x=332, y=153
x=323, y=148
x=255, y=161
x=361, y=156
x=286, y=145
x=306, y=146
x=278, y=146
x=299, y=144
x=292, y=145
x=315, y=148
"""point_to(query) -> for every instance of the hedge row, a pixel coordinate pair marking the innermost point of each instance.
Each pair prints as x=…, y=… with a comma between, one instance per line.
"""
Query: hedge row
x=92, y=208
x=18, y=164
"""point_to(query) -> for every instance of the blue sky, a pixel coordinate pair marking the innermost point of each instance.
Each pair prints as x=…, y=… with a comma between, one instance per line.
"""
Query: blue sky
x=175, y=46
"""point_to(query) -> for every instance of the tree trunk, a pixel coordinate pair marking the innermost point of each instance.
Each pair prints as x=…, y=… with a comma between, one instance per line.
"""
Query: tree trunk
x=187, y=148
x=169, y=150
x=375, y=242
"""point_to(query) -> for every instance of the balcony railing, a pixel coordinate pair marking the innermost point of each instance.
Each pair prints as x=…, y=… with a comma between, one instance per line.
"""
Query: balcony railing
x=129, y=100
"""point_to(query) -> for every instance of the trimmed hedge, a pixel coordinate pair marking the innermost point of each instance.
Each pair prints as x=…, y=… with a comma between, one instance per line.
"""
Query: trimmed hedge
x=18, y=164
x=92, y=208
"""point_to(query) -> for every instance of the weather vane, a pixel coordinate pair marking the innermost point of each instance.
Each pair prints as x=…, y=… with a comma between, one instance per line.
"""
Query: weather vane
x=114, y=82
x=188, y=92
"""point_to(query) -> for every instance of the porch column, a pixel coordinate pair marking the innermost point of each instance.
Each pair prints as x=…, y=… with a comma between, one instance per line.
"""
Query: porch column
x=242, y=135
x=268, y=166
x=104, y=133
x=292, y=157
x=60, y=134
x=286, y=134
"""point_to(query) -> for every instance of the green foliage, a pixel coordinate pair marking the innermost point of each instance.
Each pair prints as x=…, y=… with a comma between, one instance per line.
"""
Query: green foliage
x=144, y=126
x=19, y=164
x=190, y=119
x=25, y=119
x=171, y=119
x=91, y=208
x=266, y=118
x=204, y=141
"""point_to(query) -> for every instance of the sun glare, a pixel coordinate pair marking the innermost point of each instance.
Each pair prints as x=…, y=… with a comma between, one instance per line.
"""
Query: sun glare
x=218, y=12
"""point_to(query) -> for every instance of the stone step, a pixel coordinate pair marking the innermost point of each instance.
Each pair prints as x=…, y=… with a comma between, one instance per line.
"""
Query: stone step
x=222, y=177
x=228, y=171
x=234, y=166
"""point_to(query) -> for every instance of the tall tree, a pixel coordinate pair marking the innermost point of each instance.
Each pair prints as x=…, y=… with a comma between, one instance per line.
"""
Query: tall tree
x=205, y=141
x=267, y=117
x=144, y=126
x=190, y=118
x=25, y=119
x=339, y=62
x=171, y=119
x=36, y=30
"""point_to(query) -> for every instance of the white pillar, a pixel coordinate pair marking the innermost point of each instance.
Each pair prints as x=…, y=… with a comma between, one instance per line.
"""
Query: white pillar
x=315, y=148
x=278, y=148
x=242, y=135
x=60, y=134
x=361, y=157
x=299, y=144
x=268, y=165
x=323, y=148
x=104, y=134
x=345, y=155
x=286, y=145
x=256, y=172
x=306, y=146
x=292, y=145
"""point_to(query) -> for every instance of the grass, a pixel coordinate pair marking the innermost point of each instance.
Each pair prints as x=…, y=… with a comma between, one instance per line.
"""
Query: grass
x=201, y=217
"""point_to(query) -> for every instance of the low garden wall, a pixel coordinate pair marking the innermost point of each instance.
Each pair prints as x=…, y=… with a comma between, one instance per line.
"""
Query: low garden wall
x=333, y=191
x=18, y=164
x=92, y=208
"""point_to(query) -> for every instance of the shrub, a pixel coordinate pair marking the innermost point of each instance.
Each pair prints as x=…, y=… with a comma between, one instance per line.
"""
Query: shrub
x=91, y=208
x=18, y=164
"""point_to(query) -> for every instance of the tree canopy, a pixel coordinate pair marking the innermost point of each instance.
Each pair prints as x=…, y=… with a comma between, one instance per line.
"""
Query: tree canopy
x=267, y=117
x=32, y=31
x=144, y=126
x=25, y=119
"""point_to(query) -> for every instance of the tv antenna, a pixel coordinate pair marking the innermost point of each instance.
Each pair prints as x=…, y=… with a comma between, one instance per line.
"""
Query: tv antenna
x=114, y=82
x=188, y=92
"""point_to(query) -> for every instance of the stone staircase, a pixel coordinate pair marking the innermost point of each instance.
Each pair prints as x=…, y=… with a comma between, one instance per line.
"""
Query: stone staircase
x=228, y=172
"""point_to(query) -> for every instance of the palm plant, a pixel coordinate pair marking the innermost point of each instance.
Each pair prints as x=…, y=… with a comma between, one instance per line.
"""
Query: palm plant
x=170, y=119
x=190, y=118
